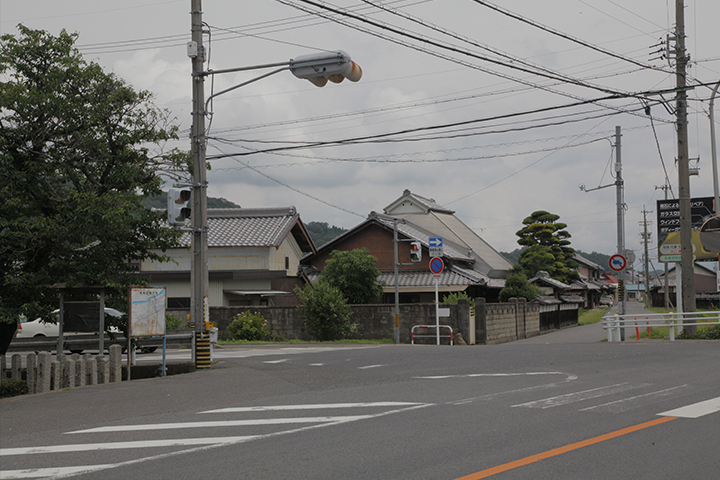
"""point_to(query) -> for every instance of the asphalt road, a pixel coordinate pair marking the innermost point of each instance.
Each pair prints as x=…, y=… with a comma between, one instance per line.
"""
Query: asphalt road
x=558, y=406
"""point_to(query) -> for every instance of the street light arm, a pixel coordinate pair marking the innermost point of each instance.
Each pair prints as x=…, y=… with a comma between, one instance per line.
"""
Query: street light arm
x=207, y=102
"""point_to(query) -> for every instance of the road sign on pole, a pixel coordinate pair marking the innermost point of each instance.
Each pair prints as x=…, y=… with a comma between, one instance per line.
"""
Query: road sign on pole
x=436, y=266
x=435, y=246
x=617, y=263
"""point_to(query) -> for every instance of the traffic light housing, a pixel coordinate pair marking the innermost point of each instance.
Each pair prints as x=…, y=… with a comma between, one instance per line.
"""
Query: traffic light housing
x=321, y=67
x=178, y=206
x=415, y=251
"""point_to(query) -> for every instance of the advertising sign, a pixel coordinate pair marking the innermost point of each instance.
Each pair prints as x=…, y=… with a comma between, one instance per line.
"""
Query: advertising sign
x=668, y=222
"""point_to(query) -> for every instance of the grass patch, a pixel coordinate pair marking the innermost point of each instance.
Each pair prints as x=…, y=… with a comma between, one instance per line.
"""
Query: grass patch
x=588, y=317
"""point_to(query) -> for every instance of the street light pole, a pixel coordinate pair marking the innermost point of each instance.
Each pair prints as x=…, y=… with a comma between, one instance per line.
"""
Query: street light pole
x=318, y=69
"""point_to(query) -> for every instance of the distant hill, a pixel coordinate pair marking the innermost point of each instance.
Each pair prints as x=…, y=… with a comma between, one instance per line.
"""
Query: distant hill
x=160, y=202
x=322, y=233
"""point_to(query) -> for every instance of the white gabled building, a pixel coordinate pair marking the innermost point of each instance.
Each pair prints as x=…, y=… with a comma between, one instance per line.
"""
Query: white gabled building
x=253, y=259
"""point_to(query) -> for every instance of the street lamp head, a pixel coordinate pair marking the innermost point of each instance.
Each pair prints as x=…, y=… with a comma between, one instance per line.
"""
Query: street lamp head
x=321, y=67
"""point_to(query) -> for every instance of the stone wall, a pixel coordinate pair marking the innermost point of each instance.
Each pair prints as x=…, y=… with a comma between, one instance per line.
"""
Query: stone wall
x=43, y=374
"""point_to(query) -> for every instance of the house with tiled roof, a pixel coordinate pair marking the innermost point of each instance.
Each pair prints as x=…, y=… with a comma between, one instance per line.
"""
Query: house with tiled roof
x=471, y=264
x=253, y=259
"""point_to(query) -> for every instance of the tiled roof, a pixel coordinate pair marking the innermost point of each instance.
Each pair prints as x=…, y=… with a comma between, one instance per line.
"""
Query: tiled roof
x=543, y=277
x=429, y=204
x=452, y=276
x=410, y=230
x=247, y=227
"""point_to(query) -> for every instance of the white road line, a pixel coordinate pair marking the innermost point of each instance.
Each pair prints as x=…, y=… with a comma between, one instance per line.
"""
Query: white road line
x=85, y=447
x=276, y=361
x=695, y=410
x=370, y=366
x=471, y=375
x=579, y=396
x=319, y=406
x=221, y=423
x=492, y=396
x=51, y=472
x=624, y=404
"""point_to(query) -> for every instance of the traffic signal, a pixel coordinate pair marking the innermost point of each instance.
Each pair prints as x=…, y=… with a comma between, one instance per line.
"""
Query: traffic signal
x=415, y=251
x=178, y=206
x=321, y=67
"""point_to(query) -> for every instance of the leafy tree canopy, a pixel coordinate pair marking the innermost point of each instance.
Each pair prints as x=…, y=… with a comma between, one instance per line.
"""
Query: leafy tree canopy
x=547, y=247
x=75, y=165
x=355, y=274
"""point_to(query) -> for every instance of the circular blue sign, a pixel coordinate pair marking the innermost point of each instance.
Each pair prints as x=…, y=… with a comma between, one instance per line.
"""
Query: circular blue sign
x=436, y=265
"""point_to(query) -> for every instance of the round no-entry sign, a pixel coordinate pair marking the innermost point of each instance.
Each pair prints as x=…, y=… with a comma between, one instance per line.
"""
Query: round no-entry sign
x=436, y=265
x=617, y=263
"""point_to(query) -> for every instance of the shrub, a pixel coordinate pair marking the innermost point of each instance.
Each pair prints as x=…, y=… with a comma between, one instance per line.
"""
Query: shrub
x=455, y=296
x=12, y=388
x=708, y=333
x=172, y=322
x=248, y=326
x=325, y=313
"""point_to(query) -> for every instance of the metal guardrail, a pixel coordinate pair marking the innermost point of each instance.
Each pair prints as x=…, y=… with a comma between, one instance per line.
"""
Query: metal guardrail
x=433, y=335
x=613, y=323
x=90, y=342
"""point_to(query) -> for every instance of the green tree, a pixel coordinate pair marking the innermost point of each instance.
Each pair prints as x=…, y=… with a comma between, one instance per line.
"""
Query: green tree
x=325, y=313
x=355, y=274
x=517, y=286
x=75, y=165
x=548, y=247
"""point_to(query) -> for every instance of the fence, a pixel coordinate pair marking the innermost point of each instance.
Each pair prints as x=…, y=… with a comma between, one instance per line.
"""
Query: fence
x=613, y=323
x=44, y=374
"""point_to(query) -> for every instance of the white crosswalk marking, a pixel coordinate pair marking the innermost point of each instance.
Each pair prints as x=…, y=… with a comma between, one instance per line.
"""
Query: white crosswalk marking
x=579, y=396
x=628, y=403
x=181, y=446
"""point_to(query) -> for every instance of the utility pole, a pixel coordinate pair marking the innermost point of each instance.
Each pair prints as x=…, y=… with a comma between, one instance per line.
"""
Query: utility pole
x=686, y=259
x=665, y=188
x=397, y=293
x=620, y=208
x=199, y=302
x=646, y=240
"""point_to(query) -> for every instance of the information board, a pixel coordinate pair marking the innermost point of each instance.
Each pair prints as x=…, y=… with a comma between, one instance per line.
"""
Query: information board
x=147, y=311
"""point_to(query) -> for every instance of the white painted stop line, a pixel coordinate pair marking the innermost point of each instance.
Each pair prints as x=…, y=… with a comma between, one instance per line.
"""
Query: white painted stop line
x=695, y=410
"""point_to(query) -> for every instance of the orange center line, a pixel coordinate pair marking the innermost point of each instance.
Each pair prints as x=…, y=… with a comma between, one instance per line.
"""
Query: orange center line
x=560, y=450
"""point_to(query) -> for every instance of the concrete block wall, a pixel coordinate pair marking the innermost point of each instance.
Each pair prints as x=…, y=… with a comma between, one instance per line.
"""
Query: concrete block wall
x=506, y=322
x=494, y=322
x=43, y=373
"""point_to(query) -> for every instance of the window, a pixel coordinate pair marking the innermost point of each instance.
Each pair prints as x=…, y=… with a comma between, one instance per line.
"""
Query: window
x=178, y=302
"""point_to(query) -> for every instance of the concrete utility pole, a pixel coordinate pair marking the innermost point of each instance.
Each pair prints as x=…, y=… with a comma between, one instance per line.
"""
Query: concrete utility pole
x=620, y=208
x=686, y=259
x=199, y=302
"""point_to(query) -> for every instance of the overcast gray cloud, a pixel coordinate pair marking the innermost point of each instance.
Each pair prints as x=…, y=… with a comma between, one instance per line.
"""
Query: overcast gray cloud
x=496, y=166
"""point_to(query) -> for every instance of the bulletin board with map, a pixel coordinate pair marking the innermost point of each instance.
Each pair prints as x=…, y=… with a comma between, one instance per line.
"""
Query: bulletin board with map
x=147, y=311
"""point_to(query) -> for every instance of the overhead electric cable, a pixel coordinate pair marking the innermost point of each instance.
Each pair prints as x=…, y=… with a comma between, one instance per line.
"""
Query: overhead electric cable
x=565, y=36
x=438, y=54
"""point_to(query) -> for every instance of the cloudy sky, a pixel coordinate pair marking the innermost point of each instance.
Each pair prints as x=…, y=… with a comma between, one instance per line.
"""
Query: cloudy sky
x=492, y=114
